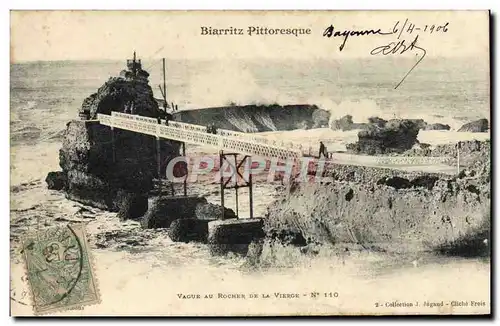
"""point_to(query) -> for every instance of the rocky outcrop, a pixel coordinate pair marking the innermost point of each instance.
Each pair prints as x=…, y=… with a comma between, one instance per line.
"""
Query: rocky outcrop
x=234, y=235
x=95, y=177
x=56, y=180
x=379, y=122
x=127, y=93
x=131, y=205
x=480, y=125
x=187, y=230
x=256, y=118
x=113, y=170
x=393, y=211
x=436, y=126
x=394, y=218
x=346, y=123
x=395, y=136
x=320, y=118
x=164, y=210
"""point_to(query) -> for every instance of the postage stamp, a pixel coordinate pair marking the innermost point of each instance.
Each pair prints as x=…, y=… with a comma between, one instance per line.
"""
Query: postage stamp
x=59, y=269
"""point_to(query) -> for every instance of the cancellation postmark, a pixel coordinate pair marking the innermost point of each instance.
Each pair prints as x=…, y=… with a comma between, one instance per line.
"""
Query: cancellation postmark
x=59, y=269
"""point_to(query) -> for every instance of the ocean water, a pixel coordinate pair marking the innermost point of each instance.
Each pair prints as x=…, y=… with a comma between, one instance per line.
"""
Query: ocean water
x=44, y=95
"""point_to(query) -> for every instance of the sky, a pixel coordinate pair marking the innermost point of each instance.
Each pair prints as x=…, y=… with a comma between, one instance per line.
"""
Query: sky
x=113, y=35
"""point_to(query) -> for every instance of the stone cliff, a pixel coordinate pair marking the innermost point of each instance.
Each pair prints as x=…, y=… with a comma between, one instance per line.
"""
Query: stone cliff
x=391, y=211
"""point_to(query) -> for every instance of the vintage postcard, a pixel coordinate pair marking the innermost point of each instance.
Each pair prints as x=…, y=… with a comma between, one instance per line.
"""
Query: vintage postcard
x=250, y=163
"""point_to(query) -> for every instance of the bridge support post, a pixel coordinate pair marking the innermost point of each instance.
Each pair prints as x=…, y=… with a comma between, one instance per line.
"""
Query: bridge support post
x=221, y=160
x=158, y=162
x=236, y=184
x=250, y=190
x=224, y=184
x=113, y=150
x=185, y=178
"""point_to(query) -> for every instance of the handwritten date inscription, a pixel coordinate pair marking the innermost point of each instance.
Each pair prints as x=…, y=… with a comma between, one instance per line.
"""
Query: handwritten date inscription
x=397, y=47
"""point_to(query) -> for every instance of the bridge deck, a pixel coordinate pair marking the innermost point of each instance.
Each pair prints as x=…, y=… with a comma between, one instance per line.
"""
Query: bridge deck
x=195, y=134
x=257, y=145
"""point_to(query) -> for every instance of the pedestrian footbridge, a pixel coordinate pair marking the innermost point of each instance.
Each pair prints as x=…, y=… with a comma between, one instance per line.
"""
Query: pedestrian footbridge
x=258, y=145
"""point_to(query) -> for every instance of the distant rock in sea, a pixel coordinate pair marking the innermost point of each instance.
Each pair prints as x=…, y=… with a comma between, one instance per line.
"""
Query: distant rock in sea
x=396, y=136
x=257, y=118
x=346, y=123
x=377, y=121
x=480, y=125
x=437, y=126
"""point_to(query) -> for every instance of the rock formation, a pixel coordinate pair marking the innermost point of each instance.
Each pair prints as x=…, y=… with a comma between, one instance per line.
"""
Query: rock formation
x=320, y=118
x=127, y=93
x=437, y=126
x=480, y=125
x=346, y=123
x=56, y=180
x=396, y=136
x=165, y=210
x=398, y=212
x=95, y=174
x=379, y=122
x=256, y=118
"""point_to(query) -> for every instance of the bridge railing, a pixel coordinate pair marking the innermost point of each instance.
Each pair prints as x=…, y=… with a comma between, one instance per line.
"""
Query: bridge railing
x=388, y=160
x=187, y=134
x=247, y=143
x=254, y=138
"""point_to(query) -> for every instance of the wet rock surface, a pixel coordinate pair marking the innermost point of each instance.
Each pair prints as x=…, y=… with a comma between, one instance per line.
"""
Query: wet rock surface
x=56, y=180
x=395, y=136
x=131, y=205
x=437, y=126
x=481, y=125
x=381, y=210
x=257, y=118
x=187, y=230
x=234, y=235
x=127, y=93
x=164, y=210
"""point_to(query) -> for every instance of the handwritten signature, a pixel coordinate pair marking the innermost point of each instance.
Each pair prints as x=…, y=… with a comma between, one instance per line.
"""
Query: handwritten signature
x=401, y=47
x=392, y=48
